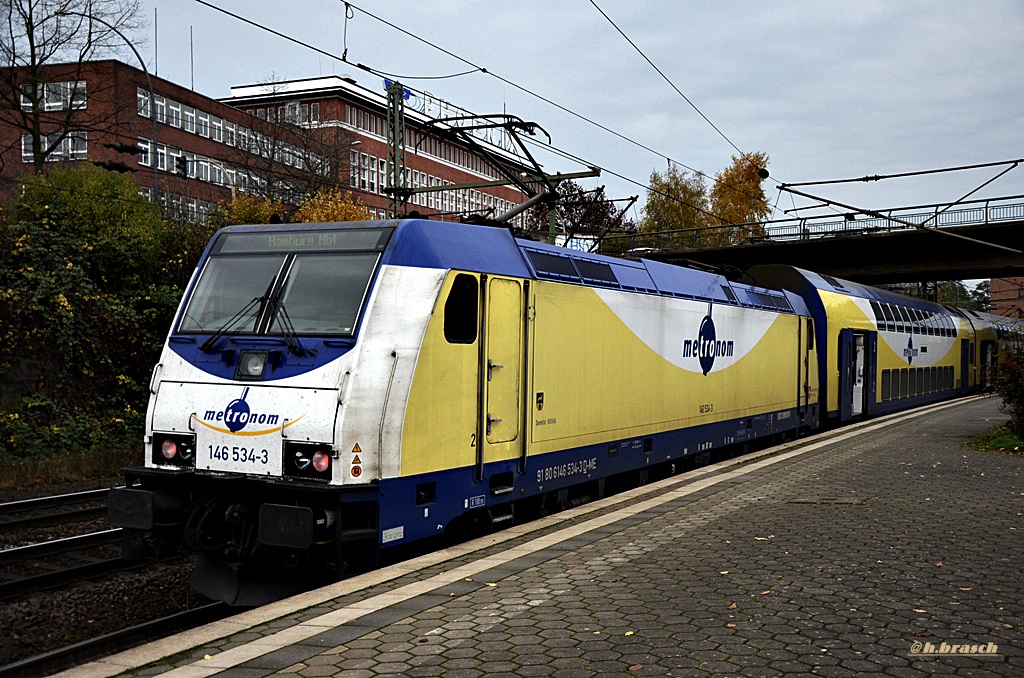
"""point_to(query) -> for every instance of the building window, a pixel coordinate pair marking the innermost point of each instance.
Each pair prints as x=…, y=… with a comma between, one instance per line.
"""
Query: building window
x=189, y=119
x=73, y=146
x=142, y=98
x=314, y=112
x=353, y=169
x=174, y=114
x=203, y=127
x=55, y=96
x=216, y=128
x=229, y=133
x=143, y=145
x=160, y=105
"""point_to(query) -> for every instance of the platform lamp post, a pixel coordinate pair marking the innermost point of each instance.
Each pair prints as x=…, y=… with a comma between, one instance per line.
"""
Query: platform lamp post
x=153, y=156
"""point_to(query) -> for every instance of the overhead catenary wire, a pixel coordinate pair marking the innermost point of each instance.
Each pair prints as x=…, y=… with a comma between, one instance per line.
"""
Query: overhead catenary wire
x=666, y=78
x=474, y=68
x=1012, y=164
x=546, y=100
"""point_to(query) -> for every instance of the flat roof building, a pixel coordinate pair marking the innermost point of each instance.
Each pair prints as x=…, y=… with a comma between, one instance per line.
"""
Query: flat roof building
x=280, y=140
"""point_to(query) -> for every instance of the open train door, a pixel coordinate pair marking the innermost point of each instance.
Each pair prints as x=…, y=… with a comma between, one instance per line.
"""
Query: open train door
x=499, y=435
x=858, y=354
x=987, y=359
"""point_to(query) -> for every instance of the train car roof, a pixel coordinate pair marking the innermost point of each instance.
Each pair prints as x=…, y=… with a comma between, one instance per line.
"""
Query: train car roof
x=487, y=249
x=798, y=279
x=549, y=262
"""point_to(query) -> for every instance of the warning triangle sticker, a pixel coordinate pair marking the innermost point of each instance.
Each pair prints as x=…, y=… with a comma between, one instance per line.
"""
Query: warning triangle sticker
x=356, y=460
x=356, y=449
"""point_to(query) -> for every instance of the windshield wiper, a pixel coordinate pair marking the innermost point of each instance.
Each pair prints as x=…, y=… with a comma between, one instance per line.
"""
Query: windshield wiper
x=208, y=345
x=288, y=330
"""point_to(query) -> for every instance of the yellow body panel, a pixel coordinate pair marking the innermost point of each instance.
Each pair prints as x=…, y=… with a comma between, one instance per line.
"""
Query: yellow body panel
x=591, y=378
x=598, y=381
x=441, y=417
x=842, y=313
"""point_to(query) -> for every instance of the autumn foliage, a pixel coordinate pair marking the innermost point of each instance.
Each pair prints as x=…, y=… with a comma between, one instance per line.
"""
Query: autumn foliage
x=685, y=214
x=247, y=208
x=331, y=204
x=737, y=196
x=90, y=275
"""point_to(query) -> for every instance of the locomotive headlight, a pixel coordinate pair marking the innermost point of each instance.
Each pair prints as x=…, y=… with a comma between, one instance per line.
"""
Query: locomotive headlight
x=251, y=365
x=301, y=459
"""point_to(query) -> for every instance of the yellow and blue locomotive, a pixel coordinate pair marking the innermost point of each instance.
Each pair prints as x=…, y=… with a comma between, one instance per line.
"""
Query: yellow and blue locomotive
x=331, y=391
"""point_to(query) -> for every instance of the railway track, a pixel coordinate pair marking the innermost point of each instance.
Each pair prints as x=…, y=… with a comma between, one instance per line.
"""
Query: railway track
x=54, y=510
x=66, y=657
x=59, y=561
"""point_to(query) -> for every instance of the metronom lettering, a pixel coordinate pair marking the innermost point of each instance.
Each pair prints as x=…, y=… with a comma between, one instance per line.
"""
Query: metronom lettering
x=696, y=348
x=242, y=417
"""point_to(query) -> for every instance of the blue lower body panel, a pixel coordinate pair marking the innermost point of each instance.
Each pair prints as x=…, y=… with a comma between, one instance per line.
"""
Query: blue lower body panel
x=422, y=506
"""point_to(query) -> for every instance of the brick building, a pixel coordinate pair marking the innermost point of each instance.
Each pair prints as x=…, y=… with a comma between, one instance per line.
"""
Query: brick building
x=1007, y=297
x=339, y=103
x=281, y=140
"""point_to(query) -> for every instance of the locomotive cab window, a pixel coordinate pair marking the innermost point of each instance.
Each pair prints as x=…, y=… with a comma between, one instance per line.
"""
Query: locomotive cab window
x=285, y=282
x=460, y=310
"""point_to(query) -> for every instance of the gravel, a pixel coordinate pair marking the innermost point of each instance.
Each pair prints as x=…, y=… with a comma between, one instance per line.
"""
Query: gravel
x=50, y=620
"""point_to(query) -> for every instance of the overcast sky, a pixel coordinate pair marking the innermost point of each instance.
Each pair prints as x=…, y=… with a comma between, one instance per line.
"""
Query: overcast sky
x=827, y=90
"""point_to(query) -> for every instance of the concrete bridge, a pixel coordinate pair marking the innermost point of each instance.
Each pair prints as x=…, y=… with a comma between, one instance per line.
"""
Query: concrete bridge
x=976, y=239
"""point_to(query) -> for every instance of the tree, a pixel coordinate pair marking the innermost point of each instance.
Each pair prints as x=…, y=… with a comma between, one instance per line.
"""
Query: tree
x=88, y=284
x=981, y=296
x=579, y=212
x=1008, y=382
x=246, y=208
x=737, y=196
x=676, y=200
x=955, y=293
x=331, y=204
x=52, y=112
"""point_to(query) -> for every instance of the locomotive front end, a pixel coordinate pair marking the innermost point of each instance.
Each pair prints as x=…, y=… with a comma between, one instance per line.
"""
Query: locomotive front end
x=244, y=425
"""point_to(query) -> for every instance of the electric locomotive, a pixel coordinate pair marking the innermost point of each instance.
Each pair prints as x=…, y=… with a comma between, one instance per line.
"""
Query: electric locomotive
x=329, y=392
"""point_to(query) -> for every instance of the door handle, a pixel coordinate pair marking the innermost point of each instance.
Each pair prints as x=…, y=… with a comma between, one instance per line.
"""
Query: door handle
x=491, y=420
x=491, y=366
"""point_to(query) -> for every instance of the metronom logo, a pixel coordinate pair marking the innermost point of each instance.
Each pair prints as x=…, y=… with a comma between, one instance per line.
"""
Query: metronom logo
x=918, y=649
x=706, y=347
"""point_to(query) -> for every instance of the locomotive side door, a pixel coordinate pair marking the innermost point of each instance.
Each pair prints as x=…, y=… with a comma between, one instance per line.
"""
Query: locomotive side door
x=501, y=372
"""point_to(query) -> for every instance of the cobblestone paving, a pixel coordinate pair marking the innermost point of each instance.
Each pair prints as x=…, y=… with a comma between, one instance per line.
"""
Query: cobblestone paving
x=871, y=557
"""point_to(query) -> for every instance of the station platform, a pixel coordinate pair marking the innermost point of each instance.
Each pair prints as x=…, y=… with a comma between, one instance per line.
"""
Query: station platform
x=885, y=548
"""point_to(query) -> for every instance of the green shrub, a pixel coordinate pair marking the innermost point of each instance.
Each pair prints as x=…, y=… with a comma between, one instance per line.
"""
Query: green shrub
x=1008, y=382
x=90, y=275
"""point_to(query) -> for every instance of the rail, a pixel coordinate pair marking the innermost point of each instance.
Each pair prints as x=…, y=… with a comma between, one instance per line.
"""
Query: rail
x=40, y=514
x=939, y=215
